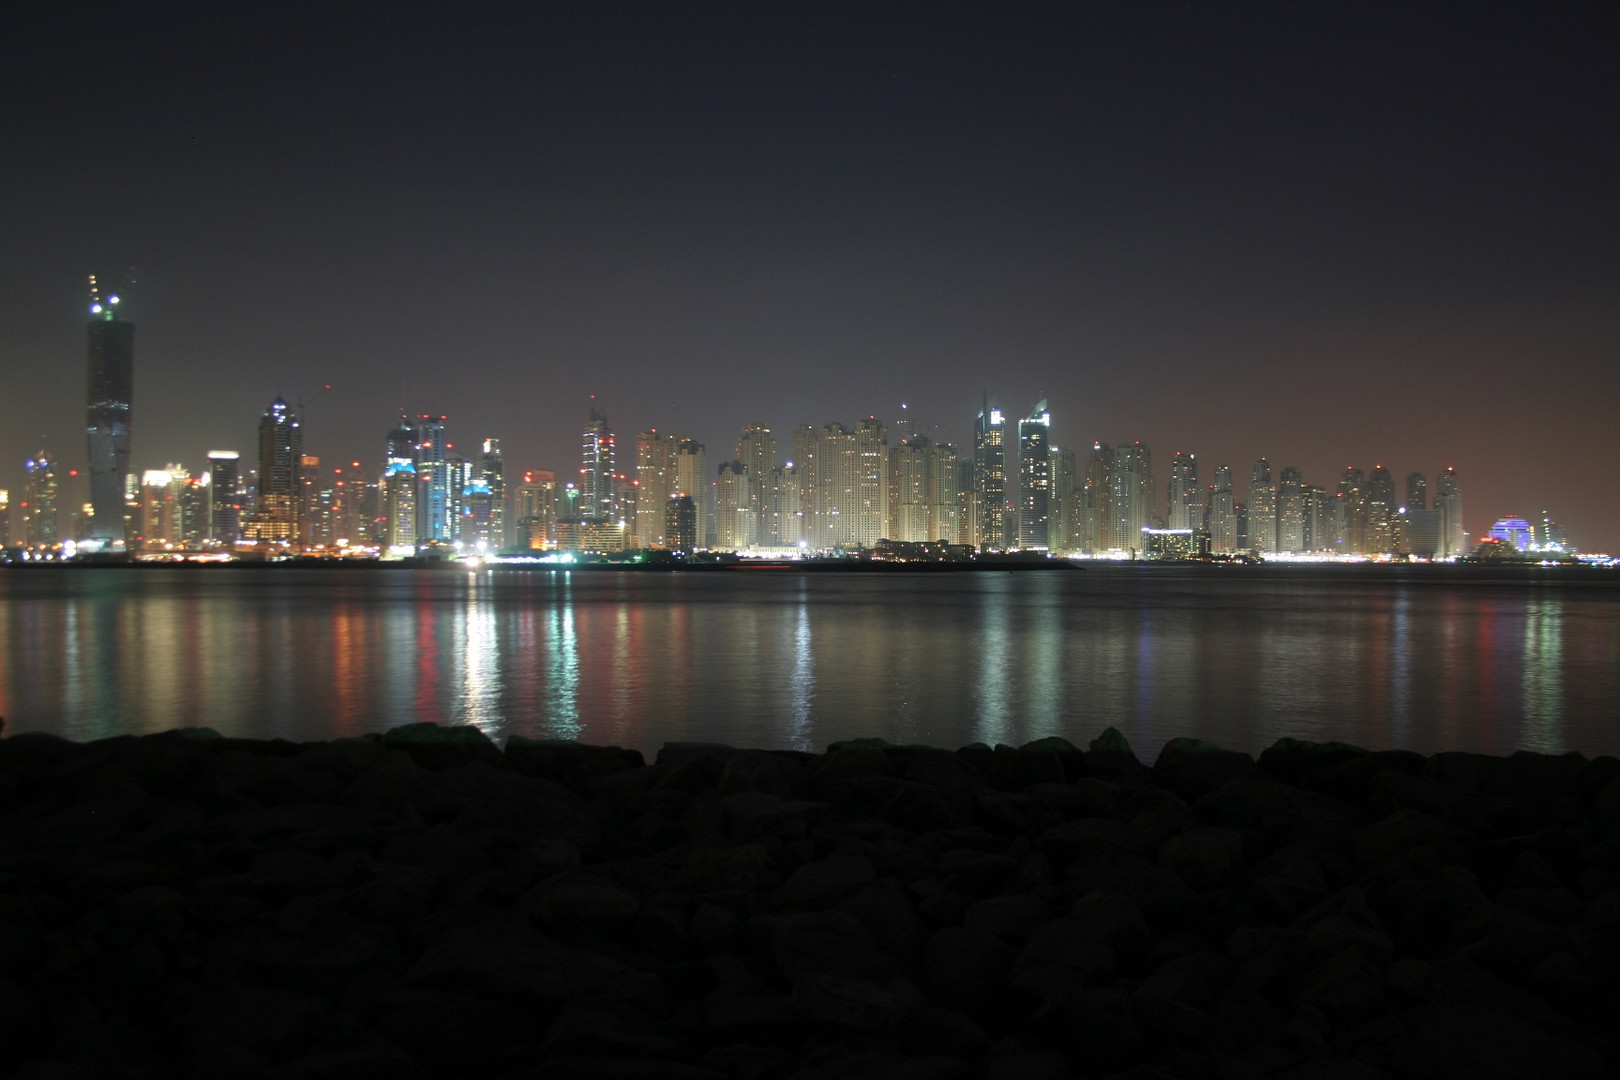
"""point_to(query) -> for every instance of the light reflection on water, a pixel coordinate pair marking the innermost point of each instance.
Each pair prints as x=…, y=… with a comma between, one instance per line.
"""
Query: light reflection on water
x=1426, y=660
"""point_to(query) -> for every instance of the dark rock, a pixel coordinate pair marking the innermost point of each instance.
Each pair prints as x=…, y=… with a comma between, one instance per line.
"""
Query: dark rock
x=1288, y=760
x=1204, y=857
x=434, y=747
x=1191, y=767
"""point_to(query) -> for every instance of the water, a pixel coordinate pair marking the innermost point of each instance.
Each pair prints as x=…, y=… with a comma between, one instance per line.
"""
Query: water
x=1422, y=658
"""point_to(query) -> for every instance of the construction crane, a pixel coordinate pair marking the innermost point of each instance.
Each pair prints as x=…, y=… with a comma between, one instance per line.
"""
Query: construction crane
x=304, y=403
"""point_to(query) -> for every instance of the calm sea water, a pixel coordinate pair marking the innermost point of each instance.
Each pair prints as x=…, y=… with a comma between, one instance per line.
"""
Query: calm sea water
x=1423, y=658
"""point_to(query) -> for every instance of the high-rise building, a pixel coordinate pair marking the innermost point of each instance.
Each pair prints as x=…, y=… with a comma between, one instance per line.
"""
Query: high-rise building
x=1351, y=511
x=1223, y=523
x=5, y=519
x=1184, y=499
x=1381, y=508
x=1448, y=500
x=837, y=467
x=1067, y=501
x=1131, y=495
x=598, y=491
x=109, y=414
x=681, y=523
x=1035, y=479
x=1098, y=523
x=355, y=506
x=1292, y=511
x=655, y=483
x=1417, y=491
x=399, y=495
x=910, y=489
x=534, y=504
x=692, y=480
x=732, y=510
x=492, y=472
x=871, y=483
x=756, y=449
x=433, y=517
x=162, y=525
x=314, y=504
x=990, y=476
x=39, y=501
x=275, y=510
x=225, y=497
x=805, y=446
x=1262, y=508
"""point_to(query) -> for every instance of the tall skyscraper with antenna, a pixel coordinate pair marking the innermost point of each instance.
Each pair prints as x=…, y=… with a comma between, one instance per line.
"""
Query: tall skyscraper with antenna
x=110, y=385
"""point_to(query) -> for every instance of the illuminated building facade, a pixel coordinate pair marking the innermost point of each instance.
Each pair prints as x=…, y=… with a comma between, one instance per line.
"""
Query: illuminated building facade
x=1262, y=506
x=433, y=520
x=275, y=513
x=1417, y=491
x=1448, y=500
x=399, y=495
x=692, y=480
x=761, y=508
x=1223, y=523
x=1514, y=531
x=40, y=490
x=598, y=487
x=804, y=530
x=534, y=504
x=109, y=414
x=1184, y=498
x=1131, y=490
x=871, y=483
x=1381, y=508
x=1067, y=501
x=680, y=523
x=1035, y=479
x=492, y=473
x=655, y=483
x=1292, y=511
x=5, y=518
x=224, y=497
x=731, y=507
x=990, y=476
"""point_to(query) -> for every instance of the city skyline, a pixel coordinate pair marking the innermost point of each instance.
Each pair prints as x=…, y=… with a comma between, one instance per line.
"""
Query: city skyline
x=1350, y=235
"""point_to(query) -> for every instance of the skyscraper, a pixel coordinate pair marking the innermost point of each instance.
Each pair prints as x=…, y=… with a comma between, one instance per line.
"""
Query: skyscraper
x=1131, y=492
x=1417, y=491
x=109, y=397
x=225, y=497
x=39, y=501
x=433, y=519
x=1448, y=500
x=731, y=506
x=1381, y=507
x=871, y=482
x=1292, y=511
x=492, y=471
x=1035, y=479
x=990, y=476
x=1184, y=499
x=281, y=442
x=1223, y=523
x=756, y=449
x=598, y=494
x=692, y=479
x=1262, y=508
x=655, y=483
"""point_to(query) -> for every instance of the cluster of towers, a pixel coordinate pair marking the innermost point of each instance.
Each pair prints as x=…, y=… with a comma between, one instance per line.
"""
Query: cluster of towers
x=831, y=486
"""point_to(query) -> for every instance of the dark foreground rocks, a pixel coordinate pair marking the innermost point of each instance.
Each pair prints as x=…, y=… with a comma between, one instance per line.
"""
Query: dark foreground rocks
x=425, y=904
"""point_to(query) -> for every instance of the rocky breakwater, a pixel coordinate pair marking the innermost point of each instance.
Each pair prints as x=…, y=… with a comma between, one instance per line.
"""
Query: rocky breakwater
x=423, y=903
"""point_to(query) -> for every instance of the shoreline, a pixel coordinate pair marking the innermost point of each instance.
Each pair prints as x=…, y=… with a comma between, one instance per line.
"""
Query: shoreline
x=421, y=902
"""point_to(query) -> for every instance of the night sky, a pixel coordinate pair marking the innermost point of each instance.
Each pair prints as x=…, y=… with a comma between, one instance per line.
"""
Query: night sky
x=1326, y=234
